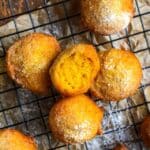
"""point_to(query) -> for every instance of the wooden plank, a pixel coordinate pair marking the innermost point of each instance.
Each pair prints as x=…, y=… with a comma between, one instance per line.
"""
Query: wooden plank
x=18, y=7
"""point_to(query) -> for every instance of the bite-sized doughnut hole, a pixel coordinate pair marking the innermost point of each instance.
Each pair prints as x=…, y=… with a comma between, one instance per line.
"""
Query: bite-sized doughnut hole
x=28, y=61
x=74, y=70
x=119, y=75
x=120, y=147
x=106, y=16
x=145, y=131
x=75, y=119
x=11, y=139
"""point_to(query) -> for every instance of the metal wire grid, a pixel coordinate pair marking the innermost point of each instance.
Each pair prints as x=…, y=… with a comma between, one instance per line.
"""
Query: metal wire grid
x=35, y=100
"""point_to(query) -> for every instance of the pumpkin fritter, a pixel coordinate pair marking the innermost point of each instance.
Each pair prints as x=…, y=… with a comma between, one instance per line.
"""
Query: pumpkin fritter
x=75, y=119
x=28, y=61
x=106, y=16
x=119, y=76
x=145, y=131
x=120, y=147
x=11, y=139
x=74, y=70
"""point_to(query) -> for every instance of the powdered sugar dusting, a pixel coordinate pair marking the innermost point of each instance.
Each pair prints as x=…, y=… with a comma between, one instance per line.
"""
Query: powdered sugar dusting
x=126, y=17
x=123, y=17
x=106, y=16
x=79, y=132
x=76, y=132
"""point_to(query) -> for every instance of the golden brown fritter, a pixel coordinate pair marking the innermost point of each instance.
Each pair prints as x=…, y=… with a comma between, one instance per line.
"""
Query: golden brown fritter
x=11, y=139
x=119, y=76
x=75, y=119
x=106, y=16
x=74, y=70
x=28, y=61
x=120, y=147
x=145, y=131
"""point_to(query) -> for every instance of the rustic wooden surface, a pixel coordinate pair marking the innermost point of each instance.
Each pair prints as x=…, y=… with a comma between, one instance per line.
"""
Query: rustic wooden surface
x=13, y=7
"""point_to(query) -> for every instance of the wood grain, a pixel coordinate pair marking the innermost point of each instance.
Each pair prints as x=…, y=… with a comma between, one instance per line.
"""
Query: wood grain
x=14, y=7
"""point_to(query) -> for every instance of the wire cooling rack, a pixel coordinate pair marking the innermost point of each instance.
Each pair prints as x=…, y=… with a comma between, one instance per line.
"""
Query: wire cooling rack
x=23, y=110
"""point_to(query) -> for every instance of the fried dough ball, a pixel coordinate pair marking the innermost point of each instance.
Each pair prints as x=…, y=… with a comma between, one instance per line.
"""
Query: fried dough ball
x=106, y=16
x=75, y=119
x=145, y=131
x=11, y=139
x=119, y=76
x=28, y=61
x=120, y=147
x=74, y=69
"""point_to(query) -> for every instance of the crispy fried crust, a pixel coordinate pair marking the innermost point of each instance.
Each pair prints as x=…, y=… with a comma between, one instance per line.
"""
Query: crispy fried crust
x=11, y=139
x=74, y=69
x=145, y=131
x=75, y=119
x=120, y=147
x=106, y=16
x=28, y=61
x=119, y=76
